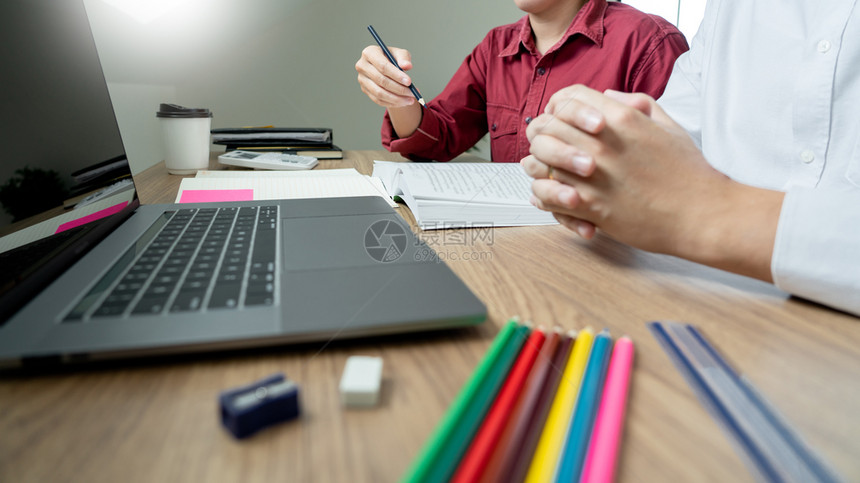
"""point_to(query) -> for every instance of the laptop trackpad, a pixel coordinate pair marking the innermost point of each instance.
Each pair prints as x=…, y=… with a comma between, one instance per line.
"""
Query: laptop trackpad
x=349, y=241
x=380, y=299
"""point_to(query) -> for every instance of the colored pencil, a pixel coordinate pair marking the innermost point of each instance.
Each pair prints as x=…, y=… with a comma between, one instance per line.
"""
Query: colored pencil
x=579, y=434
x=449, y=456
x=475, y=460
x=512, y=438
x=429, y=454
x=523, y=456
x=545, y=459
x=602, y=458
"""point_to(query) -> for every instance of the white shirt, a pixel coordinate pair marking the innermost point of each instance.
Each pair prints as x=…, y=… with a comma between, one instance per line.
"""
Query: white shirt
x=770, y=91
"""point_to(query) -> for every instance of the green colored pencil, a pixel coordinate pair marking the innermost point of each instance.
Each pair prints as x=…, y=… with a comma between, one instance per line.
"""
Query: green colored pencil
x=459, y=442
x=452, y=420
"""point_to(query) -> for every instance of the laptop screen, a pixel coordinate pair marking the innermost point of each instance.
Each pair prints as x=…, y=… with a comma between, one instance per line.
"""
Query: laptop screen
x=63, y=169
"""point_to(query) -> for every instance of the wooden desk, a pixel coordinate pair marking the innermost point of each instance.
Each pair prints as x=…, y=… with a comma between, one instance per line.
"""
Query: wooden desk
x=157, y=421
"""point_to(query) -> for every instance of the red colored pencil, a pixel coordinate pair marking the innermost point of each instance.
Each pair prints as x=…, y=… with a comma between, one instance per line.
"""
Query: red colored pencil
x=513, y=435
x=478, y=454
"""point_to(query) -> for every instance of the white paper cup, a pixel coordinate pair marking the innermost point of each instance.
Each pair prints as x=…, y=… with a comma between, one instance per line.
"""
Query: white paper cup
x=185, y=132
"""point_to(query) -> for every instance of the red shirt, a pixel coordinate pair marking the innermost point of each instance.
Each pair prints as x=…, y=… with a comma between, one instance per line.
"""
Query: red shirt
x=505, y=82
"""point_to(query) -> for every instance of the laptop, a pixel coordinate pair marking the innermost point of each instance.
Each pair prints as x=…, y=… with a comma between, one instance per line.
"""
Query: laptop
x=90, y=274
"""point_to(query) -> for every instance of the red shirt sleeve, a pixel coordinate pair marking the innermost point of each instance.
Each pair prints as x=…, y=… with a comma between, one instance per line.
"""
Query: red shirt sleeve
x=454, y=121
x=654, y=66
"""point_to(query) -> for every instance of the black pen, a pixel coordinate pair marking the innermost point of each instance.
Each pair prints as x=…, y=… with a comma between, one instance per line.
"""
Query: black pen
x=391, y=58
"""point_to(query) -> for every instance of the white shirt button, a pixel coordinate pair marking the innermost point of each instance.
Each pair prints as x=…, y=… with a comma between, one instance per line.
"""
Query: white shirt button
x=807, y=156
x=823, y=46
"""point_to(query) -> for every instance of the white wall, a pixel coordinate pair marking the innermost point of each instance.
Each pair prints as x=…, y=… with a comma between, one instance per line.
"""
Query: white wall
x=278, y=62
x=685, y=14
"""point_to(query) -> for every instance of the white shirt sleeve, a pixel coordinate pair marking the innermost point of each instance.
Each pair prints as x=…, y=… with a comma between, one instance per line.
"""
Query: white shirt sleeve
x=817, y=250
x=770, y=92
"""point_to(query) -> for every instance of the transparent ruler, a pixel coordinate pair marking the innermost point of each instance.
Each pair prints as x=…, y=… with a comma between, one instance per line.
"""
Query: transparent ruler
x=772, y=450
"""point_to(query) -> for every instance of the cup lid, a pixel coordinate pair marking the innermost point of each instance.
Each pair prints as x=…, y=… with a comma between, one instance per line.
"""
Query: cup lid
x=173, y=110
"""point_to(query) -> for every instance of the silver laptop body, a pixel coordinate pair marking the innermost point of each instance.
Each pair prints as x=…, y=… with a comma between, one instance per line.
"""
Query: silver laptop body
x=311, y=270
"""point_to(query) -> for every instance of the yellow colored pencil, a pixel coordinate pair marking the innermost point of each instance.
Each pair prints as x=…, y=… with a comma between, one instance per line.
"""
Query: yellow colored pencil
x=545, y=460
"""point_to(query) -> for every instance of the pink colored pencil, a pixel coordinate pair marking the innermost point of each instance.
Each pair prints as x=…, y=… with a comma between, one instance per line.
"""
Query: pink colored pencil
x=602, y=456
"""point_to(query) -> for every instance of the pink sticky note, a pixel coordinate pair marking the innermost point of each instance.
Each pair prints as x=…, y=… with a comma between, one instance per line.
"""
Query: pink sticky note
x=92, y=217
x=206, y=196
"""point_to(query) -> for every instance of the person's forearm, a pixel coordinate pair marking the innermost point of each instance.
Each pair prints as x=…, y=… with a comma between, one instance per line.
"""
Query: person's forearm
x=736, y=233
x=405, y=120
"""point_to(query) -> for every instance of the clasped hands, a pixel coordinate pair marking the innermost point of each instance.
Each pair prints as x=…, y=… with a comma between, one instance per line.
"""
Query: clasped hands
x=617, y=162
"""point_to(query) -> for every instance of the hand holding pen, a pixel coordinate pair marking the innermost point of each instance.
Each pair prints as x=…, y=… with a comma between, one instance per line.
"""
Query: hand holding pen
x=382, y=75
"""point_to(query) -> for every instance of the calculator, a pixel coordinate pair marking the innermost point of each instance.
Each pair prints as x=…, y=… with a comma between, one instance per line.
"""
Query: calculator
x=280, y=161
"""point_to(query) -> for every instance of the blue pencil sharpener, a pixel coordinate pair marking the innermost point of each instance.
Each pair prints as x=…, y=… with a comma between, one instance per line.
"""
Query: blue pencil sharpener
x=248, y=409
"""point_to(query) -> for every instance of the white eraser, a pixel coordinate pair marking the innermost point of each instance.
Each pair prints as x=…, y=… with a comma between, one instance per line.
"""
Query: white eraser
x=362, y=377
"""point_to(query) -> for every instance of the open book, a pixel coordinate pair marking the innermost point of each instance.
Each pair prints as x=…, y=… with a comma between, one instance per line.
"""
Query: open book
x=463, y=195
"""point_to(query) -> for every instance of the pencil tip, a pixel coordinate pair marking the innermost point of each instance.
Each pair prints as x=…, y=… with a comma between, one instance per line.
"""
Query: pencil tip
x=421, y=101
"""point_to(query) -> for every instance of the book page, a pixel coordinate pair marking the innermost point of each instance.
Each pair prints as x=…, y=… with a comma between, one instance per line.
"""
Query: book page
x=463, y=195
x=478, y=182
x=388, y=172
x=244, y=173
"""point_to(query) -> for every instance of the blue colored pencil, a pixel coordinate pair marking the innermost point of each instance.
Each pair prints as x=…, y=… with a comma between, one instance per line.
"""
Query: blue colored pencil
x=579, y=433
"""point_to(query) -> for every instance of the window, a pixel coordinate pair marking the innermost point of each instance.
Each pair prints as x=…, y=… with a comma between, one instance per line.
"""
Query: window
x=684, y=14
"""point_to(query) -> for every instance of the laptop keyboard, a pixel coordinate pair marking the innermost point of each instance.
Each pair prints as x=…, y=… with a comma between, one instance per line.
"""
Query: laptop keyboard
x=202, y=259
